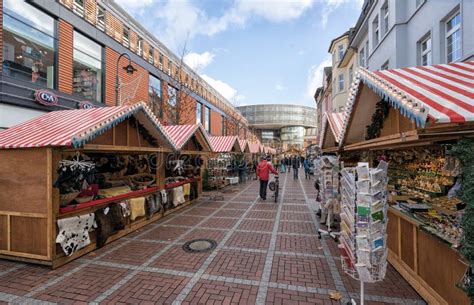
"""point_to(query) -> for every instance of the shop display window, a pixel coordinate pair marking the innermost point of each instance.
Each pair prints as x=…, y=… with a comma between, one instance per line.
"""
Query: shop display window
x=87, y=68
x=29, y=43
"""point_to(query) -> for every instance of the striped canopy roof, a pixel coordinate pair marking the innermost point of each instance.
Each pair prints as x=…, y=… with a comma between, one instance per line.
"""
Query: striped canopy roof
x=73, y=128
x=180, y=134
x=243, y=145
x=440, y=93
x=254, y=148
x=224, y=143
x=335, y=122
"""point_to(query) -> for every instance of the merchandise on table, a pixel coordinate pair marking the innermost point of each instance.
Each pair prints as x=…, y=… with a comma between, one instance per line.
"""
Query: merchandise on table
x=424, y=184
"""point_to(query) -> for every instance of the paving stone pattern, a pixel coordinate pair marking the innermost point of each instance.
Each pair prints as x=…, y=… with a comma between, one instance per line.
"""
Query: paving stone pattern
x=267, y=253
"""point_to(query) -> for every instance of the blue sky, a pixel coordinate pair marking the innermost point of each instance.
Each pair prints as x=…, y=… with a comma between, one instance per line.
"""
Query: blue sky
x=251, y=51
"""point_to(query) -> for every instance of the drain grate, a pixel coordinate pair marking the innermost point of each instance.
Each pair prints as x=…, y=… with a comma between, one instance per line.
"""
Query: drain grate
x=200, y=245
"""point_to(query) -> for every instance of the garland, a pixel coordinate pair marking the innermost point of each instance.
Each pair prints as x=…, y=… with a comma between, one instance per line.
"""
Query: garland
x=463, y=150
x=379, y=116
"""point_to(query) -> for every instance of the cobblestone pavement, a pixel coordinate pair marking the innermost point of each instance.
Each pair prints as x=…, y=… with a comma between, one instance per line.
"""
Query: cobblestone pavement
x=267, y=253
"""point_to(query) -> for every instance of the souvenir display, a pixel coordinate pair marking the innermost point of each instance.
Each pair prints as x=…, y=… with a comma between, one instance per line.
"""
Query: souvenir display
x=424, y=183
x=363, y=221
x=328, y=180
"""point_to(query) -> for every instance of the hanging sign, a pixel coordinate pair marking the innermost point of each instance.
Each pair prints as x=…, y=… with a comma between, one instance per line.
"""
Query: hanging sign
x=86, y=105
x=46, y=97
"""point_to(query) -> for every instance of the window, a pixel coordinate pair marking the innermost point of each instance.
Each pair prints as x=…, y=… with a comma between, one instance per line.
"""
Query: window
x=223, y=126
x=28, y=44
x=375, y=32
x=362, y=57
x=154, y=95
x=334, y=86
x=425, y=51
x=170, y=66
x=160, y=58
x=172, y=105
x=78, y=7
x=351, y=72
x=366, y=53
x=340, y=51
x=87, y=68
x=151, y=58
x=125, y=36
x=384, y=66
x=385, y=18
x=334, y=57
x=207, y=119
x=453, y=38
x=341, y=82
x=198, y=113
x=140, y=46
x=100, y=17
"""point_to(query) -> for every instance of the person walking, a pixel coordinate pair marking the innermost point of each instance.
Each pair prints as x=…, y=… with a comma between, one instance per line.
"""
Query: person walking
x=307, y=167
x=263, y=173
x=295, y=165
x=283, y=165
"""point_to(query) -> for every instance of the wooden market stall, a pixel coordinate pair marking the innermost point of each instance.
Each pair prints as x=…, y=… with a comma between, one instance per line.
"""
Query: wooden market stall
x=192, y=146
x=224, y=165
x=69, y=166
x=330, y=131
x=411, y=117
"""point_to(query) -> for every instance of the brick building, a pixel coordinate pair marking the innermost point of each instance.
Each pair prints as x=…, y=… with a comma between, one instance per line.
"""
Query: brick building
x=70, y=49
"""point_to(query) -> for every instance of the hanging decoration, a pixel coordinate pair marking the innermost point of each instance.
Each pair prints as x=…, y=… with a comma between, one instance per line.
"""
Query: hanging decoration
x=463, y=150
x=381, y=112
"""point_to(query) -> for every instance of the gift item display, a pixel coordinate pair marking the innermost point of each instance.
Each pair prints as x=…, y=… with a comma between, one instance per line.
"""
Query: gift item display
x=424, y=184
x=218, y=172
x=364, y=221
x=328, y=169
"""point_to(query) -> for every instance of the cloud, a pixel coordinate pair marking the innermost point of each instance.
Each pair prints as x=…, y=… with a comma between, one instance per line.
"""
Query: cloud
x=198, y=61
x=176, y=20
x=225, y=89
x=315, y=77
x=279, y=87
x=329, y=6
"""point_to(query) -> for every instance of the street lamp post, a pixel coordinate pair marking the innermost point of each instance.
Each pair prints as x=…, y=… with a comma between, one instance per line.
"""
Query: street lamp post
x=128, y=68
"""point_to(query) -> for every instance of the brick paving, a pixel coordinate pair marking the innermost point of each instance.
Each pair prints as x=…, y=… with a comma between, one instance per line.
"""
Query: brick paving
x=267, y=253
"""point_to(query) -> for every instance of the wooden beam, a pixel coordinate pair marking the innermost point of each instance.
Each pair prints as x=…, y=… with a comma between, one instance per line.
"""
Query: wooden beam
x=127, y=149
x=49, y=201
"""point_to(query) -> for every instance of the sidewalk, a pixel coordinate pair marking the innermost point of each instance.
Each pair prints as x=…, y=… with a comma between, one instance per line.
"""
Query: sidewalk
x=266, y=253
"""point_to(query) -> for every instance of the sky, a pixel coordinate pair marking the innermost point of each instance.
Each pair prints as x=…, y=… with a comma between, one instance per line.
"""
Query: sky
x=251, y=51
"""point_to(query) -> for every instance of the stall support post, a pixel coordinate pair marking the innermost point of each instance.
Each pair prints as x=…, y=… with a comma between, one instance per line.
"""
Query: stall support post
x=361, y=293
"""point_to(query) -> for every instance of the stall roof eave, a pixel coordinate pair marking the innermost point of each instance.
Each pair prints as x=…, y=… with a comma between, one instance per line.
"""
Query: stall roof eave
x=428, y=96
x=75, y=128
x=181, y=134
x=225, y=144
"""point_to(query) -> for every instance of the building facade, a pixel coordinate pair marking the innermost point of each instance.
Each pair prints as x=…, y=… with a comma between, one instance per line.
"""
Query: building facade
x=63, y=55
x=281, y=126
x=402, y=33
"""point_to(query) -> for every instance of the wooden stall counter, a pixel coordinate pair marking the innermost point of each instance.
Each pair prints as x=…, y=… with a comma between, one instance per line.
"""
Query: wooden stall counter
x=429, y=264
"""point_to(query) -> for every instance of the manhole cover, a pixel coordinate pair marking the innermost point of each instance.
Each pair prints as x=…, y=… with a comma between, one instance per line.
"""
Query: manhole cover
x=199, y=245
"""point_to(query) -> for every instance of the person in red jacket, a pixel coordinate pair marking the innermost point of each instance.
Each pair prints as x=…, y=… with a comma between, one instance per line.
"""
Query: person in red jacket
x=263, y=173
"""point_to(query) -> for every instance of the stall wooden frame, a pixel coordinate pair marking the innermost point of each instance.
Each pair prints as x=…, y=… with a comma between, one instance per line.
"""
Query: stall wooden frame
x=30, y=205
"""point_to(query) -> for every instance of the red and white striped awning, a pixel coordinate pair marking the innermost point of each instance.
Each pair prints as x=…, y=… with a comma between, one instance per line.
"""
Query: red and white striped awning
x=254, y=148
x=335, y=122
x=224, y=144
x=76, y=127
x=243, y=145
x=180, y=134
x=440, y=93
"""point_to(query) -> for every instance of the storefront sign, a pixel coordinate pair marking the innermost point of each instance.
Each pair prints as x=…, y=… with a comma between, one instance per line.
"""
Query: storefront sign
x=46, y=97
x=86, y=105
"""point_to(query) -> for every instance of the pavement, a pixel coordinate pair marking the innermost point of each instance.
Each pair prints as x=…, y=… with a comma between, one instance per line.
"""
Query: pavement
x=266, y=253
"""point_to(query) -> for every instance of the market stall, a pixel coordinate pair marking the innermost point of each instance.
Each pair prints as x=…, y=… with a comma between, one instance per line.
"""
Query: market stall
x=184, y=168
x=330, y=131
x=414, y=118
x=225, y=163
x=72, y=181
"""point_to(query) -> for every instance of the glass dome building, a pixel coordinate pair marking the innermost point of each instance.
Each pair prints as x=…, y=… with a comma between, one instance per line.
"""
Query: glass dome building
x=280, y=125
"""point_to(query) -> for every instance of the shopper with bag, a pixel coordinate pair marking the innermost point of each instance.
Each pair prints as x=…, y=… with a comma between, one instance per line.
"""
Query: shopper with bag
x=263, y=173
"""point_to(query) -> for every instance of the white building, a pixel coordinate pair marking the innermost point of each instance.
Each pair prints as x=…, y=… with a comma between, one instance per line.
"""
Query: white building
x=399, y=33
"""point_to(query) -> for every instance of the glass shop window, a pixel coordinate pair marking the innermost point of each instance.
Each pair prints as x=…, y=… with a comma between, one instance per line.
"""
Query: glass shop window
x=154, y=95
x=172, y=105
x=29, y=43
x=87, y=68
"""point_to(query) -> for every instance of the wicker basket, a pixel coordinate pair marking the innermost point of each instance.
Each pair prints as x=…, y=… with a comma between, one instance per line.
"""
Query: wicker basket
x=67, y=198
x=135, y=179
